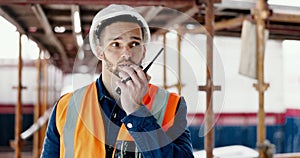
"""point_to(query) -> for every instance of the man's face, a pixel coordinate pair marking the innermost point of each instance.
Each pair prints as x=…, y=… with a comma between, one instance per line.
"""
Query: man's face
x=121, y=45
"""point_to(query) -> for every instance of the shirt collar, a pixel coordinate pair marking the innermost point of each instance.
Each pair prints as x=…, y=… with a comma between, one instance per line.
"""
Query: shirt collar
x=102, y=92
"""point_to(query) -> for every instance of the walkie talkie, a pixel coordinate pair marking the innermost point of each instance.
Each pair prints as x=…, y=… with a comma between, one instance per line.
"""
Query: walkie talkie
x=118, y=89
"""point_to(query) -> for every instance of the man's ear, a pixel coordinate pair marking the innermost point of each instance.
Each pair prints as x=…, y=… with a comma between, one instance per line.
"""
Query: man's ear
x=100, y=53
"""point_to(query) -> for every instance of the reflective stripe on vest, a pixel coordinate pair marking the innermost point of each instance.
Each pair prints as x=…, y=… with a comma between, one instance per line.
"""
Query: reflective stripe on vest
x=72, y=117
x=88, y=137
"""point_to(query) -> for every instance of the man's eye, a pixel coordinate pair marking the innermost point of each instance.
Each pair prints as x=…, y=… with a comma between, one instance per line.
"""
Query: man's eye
x=134, y=44
x=115, y=44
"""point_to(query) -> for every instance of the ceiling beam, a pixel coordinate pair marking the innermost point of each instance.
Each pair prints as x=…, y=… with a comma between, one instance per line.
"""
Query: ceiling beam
x=179, y=19
x=231, y=23
x=59, y=18
x=224, y=24
x=183, y=17
x=280, y=17
x=274, y=34
x=150, y=13
x=12, y=20
x=19, y=28
x=166, y=3
x=38, y=11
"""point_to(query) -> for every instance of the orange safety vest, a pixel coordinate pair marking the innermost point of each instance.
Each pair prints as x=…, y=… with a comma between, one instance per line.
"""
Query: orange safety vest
x=81, y=126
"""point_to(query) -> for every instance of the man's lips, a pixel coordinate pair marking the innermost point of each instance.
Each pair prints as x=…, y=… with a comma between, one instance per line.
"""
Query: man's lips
x=125, y=64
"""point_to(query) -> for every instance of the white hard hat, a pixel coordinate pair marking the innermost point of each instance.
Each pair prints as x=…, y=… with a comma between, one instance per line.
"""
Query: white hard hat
x=112, y=11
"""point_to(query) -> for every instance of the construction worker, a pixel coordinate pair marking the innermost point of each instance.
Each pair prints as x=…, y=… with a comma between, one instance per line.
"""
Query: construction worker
x=141, y=120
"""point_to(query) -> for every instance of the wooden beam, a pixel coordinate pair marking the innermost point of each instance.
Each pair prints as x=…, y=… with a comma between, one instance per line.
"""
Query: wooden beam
x=18, y=113
x=44, y=103
x=231, y=23
x=12, y=20
x=36, y=136
x=165, y=61
x=261, y=14
x=279, y=17
x=179, y=20
x=225, y=24
x=166, y=3
x=209, y=114
x=150, y=12
x=20, y=28
x=204, y=1
x=38, y=11
x=183, y=17
x=179, y=39
x=61, y=18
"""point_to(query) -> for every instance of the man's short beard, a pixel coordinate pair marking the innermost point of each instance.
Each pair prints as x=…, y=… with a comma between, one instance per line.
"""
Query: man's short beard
x=110, y=66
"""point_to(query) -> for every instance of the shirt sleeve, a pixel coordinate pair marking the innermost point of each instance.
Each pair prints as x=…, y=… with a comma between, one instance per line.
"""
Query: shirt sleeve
x=152, y=141
x=51, y=142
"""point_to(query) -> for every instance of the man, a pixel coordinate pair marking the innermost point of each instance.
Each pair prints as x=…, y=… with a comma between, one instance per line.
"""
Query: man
x=141, y=121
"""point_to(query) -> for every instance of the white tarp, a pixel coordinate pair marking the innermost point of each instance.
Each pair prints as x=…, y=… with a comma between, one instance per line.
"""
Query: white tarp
x=233, y=151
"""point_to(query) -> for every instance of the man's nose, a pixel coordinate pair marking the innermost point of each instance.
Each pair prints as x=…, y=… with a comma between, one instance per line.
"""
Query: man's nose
x=126, y=52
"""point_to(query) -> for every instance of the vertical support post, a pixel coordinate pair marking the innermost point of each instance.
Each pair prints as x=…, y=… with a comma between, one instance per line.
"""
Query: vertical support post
x=53, y=76
x=18, y=110
x=44, y=104
x=209, y=88
x=57, y=79
x=179, y=34
x=37, y=109
x=260, y=14
x=164, y=60
x=209, y=114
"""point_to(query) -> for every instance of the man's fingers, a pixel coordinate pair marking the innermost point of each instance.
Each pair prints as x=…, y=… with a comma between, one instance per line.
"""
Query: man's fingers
x=140, y=73
x=131, y=73
x=123, y=75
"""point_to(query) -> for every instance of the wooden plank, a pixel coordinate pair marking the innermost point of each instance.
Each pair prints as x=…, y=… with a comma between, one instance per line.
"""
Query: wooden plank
x=287, y=155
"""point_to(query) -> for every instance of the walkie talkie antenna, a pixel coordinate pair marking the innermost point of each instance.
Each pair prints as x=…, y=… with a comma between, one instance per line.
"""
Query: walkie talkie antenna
x=149, y=65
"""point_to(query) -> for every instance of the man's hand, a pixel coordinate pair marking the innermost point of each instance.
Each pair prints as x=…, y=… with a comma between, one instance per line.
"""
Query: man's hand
x=134, y=90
